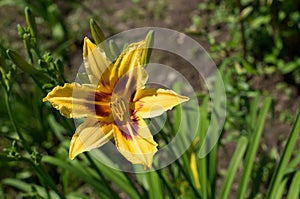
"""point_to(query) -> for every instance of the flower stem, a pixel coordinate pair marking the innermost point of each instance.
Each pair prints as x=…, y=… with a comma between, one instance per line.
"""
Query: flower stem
x=21, y=137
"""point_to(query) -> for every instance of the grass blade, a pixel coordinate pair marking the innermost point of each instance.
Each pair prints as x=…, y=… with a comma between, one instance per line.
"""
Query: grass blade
x=279, y=192
x=155, y=188
x=295, y=187
x=76, y=171
x=234, y=164
x=284, y=158
x=295, y=161
x=120, y=179
x=203, y=125
x=252, y=149
x=28, y=188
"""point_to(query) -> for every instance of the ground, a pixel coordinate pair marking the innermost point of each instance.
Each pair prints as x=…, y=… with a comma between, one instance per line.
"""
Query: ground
x=116, y=16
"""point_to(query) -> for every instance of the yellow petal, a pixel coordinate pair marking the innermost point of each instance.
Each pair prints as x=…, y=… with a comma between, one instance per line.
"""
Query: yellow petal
x=74, y=100
x=153, y=102
x=130, y=58
x=88, y=47
x=89, y=135
x=96, y=62
x=135, y=142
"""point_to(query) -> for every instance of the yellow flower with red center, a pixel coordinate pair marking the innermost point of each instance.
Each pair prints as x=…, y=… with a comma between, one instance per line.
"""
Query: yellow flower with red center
x=114, y=104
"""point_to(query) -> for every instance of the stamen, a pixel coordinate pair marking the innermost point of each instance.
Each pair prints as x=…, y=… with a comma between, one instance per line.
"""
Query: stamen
x=118, y=108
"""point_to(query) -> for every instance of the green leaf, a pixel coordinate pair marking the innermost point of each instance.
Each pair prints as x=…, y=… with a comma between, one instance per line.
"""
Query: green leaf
x=155, y=188
x=39, y=77
x=259, y=21
x=115, y=51
x=252, y=148
x=289, y=67
x=120, y=179
x=203, y=125
x=279, y=192
x=79, y=172
x=295, y=161
x=17, y=184
x=295, y=187
x=234, y=163
x=3, y=62
x=28, y=188
x=246, y=12
x=21, y=63
x=284, y=158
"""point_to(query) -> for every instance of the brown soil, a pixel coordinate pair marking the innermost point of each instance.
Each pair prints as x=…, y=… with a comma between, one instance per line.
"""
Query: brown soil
x=116, y=16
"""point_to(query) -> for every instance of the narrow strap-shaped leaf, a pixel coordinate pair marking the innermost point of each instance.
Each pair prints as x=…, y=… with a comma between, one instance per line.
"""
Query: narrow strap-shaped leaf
x=203, y=125
x=252, y=148
x=27, y=188
x=119, y=178
x=114, y=49
x=295, y=161
x=155, y=188
x=78, y=172
x=39, y=77
x=295, y=187
x=284, y=158
x=234, y=164
x=278, y=193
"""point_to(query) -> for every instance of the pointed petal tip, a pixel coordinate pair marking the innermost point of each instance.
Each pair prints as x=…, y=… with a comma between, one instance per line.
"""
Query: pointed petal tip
x=88, y=46
x=140, y=149
x=76, y=147
x=185, y=99
x=72, y=156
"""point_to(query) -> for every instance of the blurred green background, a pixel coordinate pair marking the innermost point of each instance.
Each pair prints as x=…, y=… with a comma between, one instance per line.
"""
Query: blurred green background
x=255, y=45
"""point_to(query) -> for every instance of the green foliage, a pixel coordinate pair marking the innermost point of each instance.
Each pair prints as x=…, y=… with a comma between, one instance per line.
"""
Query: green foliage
x=264, y=32
x=33, y=136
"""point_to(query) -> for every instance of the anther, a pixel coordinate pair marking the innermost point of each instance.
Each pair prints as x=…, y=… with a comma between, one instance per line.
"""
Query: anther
x=118, y=108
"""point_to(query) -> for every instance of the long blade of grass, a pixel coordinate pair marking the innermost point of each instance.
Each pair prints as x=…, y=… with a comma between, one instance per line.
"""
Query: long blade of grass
x=27, y=188
x=181, y=125
x=120, y=179
x=233, y=167
x=78, y=172
x=279, y=192
x=295, y=161
x=295, y=187
x=212, y=170
x=99, y=173
x=253, y=111
x=252, y=148
x=203, y=161
x=17, y=184
x=155, y=188
x=284, y=159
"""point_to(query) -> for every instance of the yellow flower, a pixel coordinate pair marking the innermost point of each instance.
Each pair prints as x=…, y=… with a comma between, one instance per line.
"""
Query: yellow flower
x=114, y=104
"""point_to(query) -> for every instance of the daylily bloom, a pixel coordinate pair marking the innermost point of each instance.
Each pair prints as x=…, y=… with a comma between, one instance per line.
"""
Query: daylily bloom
x=114, y=104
